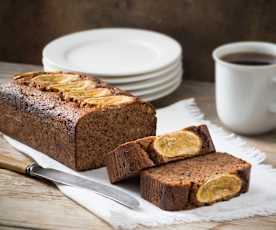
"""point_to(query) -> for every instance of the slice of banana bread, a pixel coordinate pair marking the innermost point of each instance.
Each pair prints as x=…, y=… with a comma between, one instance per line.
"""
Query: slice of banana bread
x=130, y=158
x=194, y=182
x=72, y=118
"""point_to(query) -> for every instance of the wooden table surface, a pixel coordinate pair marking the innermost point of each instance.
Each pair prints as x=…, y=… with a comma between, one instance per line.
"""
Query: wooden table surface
x=26, y=203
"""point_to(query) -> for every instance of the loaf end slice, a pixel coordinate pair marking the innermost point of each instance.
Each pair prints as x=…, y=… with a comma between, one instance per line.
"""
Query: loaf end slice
x=195, y=182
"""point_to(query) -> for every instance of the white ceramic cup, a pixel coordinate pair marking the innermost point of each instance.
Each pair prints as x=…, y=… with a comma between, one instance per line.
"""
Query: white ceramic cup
x=246, y=94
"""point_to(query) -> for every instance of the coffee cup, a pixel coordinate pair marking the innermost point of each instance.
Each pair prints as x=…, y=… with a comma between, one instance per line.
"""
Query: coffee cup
x=245, y=78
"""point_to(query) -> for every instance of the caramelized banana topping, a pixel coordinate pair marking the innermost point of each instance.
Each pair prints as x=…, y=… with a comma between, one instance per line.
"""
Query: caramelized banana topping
x=28, y=75
x=107, y=101
x=81, y=95
x=219, y=187
x=24, y=78
x=78, y=85
x=176, y=144
x=43, y=81
x=74, y=87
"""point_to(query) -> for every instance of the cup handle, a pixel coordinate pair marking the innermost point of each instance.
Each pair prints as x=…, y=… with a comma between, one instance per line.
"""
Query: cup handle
x=272, y=107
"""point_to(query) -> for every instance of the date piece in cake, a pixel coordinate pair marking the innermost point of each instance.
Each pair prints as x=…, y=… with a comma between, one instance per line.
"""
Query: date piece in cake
x=73, y=118
x=131, y=158
x=195, y=182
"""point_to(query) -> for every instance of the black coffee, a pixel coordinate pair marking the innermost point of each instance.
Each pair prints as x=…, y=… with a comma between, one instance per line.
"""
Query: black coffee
x=247, y=58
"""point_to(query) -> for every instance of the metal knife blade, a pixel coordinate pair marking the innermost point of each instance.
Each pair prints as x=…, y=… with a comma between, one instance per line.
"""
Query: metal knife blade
x=77, y=181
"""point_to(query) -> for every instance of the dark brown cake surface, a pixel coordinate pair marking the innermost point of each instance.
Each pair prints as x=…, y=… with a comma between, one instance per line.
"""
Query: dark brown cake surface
x=75, y=121
x=178, y=185
x=131, y=158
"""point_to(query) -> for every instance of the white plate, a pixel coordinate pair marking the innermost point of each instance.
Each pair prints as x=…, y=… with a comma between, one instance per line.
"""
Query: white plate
x=113, y=52
x=159, y=88
x=150, y=97
x=48, y=66
x=150, y=83
x=163, y=93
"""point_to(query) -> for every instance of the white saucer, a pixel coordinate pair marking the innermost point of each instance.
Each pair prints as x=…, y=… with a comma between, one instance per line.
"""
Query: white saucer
x=113, y=52
x=163, y=93
x=163, y=87
x=49, y=66
x=149, y=89
x=150, y=83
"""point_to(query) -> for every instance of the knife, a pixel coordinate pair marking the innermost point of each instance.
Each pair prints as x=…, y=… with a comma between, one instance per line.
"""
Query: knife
x=20, y=163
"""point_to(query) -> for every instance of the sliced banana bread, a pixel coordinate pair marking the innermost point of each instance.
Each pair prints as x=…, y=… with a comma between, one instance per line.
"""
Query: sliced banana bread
x=130, y=158
x=194, y=182
x=72, y=118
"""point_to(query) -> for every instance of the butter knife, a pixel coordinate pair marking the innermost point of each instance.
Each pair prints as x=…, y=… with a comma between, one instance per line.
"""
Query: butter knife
x=20, y=163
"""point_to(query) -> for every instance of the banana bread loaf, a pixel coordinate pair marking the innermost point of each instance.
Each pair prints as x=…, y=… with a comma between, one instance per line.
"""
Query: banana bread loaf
x=194, y=182
x=130, y=158
x=72, y=118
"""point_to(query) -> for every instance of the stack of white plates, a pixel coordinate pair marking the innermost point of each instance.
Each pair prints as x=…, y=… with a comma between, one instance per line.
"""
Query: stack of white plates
x=145, y=63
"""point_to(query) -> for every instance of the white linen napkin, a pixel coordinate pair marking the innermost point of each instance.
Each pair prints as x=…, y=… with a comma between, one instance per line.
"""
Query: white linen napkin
x=260, y=200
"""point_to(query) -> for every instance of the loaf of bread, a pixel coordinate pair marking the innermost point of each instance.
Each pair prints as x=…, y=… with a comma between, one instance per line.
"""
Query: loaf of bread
x=131, y=158
x=194, y=182
x=72, y=118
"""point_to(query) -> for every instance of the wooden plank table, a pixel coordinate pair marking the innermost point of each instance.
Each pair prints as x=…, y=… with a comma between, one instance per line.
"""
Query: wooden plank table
x=26, y=203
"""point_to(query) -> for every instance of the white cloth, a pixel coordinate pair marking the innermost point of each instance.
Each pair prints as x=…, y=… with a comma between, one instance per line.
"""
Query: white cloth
x=260, y=200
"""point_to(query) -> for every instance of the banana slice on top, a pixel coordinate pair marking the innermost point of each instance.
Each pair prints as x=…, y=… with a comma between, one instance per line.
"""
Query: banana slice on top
x=81, y=95
x=26, y=77
x=107, y=101
x=78, y=85
x=44, y=81
x=179, y=143
x=219, y=187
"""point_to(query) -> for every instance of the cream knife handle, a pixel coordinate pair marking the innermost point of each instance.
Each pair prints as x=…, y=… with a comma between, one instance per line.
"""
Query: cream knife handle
x=14, y=161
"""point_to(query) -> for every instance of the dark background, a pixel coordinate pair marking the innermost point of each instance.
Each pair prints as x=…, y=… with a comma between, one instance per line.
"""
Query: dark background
x=199, y=25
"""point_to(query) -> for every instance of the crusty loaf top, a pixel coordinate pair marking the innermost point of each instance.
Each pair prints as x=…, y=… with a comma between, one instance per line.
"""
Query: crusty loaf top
x=197, y=169
x=63, y=95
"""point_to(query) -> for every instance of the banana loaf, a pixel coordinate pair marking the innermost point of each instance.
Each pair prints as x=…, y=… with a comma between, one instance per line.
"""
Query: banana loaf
x=198, y=181
x=131, y=158
x=73, y=118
